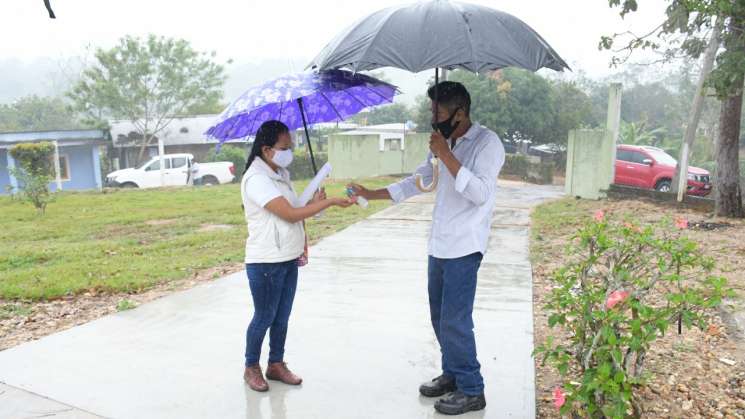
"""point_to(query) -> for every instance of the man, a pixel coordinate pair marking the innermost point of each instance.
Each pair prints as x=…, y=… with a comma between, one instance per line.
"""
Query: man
x=471, y=157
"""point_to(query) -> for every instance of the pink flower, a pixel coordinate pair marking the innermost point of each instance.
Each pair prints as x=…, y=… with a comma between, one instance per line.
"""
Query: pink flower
x=616, y=297
x=681, y=223
x=559, y=397
x=599, y=215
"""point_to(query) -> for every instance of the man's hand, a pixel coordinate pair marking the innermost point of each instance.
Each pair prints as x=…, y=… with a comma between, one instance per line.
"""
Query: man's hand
x=439, y=145
x=360, y=190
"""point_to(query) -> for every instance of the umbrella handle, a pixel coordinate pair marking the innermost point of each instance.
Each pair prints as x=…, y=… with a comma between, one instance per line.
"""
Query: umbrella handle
x=435, y=178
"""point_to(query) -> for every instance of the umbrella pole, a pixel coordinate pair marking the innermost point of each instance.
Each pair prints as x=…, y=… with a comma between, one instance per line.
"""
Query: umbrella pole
x=307, y=137
x=435, y=163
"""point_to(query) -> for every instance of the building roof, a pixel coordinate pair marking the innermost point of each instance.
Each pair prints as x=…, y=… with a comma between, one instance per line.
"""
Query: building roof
x=63, y=137
x=181, y=131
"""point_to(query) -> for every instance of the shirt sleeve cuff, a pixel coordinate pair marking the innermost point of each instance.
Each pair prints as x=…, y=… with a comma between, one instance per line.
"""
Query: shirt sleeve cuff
x=396, y=192
x=461, y=181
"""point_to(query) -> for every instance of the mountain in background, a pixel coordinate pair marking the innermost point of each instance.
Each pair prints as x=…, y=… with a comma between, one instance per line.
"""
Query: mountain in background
x=50, y=76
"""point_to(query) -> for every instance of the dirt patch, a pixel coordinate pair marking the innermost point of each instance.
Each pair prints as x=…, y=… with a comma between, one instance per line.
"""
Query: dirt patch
x=205, y=228
x=697, y=374
x=162, y=222
x=25, y=321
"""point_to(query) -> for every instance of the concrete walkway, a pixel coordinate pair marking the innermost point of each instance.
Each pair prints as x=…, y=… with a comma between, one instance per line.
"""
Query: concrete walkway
x=360, y=336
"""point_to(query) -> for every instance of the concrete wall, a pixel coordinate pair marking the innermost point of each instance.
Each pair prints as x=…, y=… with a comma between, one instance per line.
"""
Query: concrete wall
x=82, y=169
x=587, y=157
x=591, y=154
x=356, y=156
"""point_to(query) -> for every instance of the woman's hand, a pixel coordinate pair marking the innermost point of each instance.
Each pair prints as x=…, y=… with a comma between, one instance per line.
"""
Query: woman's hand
x=319, y=196
x=342, y=202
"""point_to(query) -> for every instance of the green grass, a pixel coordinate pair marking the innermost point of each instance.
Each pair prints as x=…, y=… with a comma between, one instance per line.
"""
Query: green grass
x=131, y=240
x=561, y=215
x=125, y=305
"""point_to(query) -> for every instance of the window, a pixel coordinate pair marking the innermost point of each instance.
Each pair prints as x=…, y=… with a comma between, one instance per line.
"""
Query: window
x=178, y=162
x=392, y=144
x=155, y=165
x=638, y=157
x=64, y=167
x=624, y=155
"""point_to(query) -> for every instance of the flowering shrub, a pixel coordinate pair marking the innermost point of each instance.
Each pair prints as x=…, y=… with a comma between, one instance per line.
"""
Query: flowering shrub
x=628, y=284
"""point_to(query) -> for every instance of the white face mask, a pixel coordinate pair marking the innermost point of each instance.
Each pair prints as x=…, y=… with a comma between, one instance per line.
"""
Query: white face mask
x=282, y=158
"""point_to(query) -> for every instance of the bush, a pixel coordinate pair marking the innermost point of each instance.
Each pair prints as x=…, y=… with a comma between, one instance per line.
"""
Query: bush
x=34, y=172
x=232, y=153
x=516, y=165
x=624, y=290
x=34, y=158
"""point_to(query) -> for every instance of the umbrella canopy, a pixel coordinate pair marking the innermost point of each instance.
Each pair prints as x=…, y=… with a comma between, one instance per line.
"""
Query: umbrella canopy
x=300, y=99
x=439, y=33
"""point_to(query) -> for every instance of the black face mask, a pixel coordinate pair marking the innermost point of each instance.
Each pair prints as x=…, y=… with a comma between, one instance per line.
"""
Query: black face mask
x=446, y=127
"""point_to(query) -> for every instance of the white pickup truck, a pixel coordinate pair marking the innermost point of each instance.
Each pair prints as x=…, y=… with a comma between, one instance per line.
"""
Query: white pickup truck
x=179, y=170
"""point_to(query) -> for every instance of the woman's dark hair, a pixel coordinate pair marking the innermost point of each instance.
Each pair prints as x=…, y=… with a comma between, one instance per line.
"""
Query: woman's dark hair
x=266, y=136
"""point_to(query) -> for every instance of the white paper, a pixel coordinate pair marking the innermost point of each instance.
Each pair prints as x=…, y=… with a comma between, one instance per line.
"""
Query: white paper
x=314, y=185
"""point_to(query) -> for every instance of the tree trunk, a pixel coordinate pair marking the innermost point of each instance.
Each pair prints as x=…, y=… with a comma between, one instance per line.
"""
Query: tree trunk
x=728, y=194
x=143, y=147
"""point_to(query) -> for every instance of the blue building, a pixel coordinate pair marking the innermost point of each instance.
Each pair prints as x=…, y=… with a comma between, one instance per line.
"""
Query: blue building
x=79, y=155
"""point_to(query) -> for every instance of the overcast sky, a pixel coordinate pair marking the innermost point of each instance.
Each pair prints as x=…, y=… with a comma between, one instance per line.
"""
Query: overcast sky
x=292, y=31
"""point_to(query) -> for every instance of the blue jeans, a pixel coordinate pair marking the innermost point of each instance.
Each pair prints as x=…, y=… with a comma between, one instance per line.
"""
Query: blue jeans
x=452, y=289
x=273, y=290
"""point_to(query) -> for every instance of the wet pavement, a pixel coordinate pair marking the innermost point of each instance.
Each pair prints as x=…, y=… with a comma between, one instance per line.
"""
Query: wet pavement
x=359, y=335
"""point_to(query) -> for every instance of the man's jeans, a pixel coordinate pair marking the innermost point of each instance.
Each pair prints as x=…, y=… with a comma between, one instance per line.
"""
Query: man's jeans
x=452, y=288
x=273, y=290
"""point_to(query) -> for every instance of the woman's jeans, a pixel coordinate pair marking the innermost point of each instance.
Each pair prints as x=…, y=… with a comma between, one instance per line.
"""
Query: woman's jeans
x=273, y=290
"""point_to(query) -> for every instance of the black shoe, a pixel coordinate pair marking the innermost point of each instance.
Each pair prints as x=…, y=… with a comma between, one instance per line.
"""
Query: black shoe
x=437, y=387
x=458, y=403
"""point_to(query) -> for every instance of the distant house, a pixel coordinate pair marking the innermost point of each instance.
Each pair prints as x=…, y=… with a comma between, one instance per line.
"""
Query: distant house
x=182, y=135
x=376, y=150
x=79, y=155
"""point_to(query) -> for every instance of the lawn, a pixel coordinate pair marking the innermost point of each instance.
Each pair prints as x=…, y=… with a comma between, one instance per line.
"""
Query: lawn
x=130, y=240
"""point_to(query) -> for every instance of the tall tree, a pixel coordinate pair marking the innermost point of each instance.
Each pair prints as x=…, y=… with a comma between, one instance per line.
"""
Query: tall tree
x=518, y=104
x=149, y=81
x=34, y=113
x=684, y=33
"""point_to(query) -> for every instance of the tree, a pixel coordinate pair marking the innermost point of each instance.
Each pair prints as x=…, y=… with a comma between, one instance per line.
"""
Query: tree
x=34, y=113
x=150, y=82
x=34, y=172
x=684, y=33
x=520, y=104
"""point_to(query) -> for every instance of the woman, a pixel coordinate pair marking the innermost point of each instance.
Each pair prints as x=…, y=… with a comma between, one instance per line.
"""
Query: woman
x=275, y=243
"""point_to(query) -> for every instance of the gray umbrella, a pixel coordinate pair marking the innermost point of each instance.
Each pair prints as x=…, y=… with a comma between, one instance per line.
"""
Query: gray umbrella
x=439, y=33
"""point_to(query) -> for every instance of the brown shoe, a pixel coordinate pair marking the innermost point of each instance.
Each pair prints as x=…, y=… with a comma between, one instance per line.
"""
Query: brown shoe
x=278, y=371
x=255, y=379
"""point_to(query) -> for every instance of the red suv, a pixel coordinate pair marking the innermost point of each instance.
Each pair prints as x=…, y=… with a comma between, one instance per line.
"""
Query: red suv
x=652, y=168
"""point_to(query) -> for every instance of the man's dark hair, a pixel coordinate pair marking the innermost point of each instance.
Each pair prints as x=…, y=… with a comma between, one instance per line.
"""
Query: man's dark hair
x=452, y=95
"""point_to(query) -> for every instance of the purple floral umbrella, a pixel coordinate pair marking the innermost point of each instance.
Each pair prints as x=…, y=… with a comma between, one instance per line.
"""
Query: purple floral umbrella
x=299, y=100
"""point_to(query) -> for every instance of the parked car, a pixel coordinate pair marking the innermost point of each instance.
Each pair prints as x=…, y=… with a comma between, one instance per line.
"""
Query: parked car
x=177, y=167
x=652, y=168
